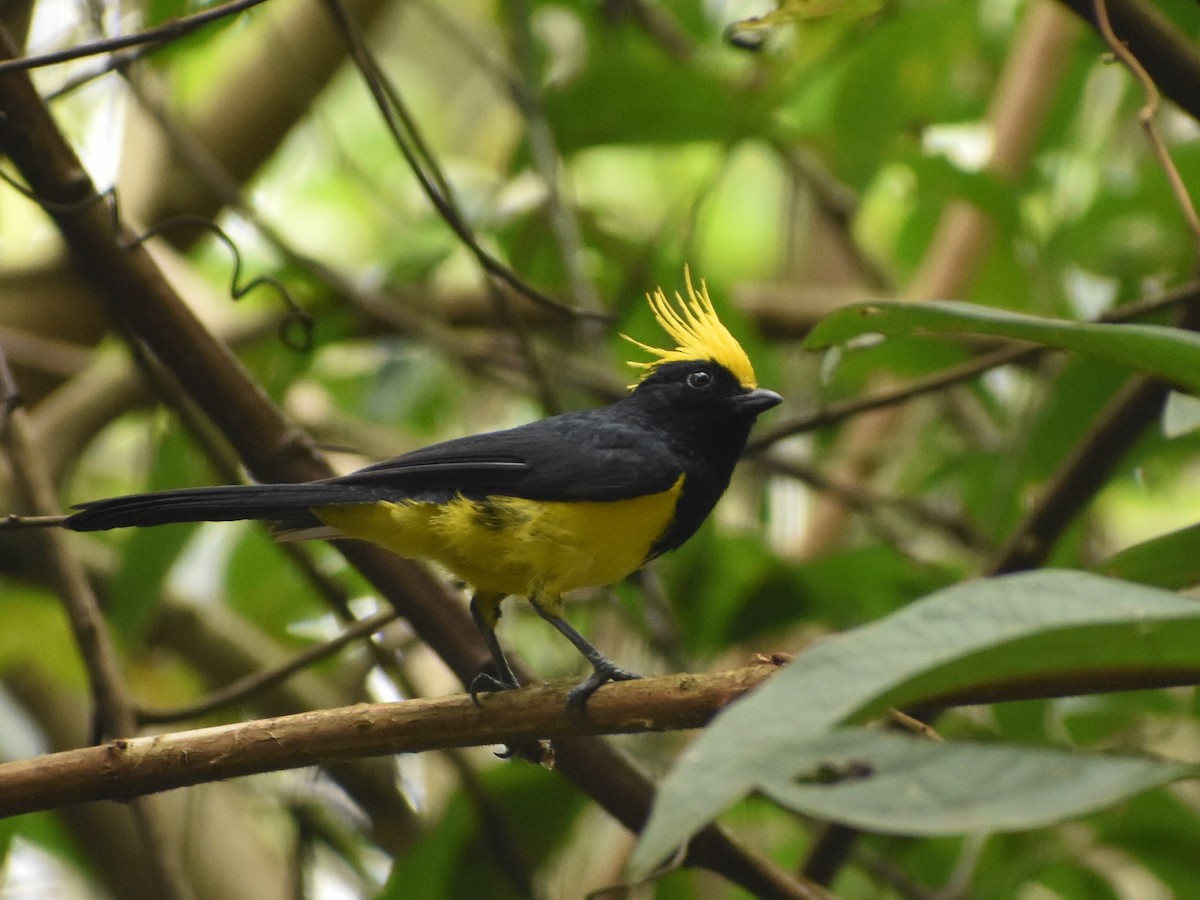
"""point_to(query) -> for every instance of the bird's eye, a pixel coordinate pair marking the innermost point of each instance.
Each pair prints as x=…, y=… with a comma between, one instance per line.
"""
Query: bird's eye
x=700, y=380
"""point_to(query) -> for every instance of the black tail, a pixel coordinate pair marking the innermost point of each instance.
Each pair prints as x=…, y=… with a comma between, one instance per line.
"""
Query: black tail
x=286, y=504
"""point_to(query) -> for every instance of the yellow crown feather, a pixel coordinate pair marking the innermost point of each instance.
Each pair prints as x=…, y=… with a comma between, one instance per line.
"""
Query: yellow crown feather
x=694, y=325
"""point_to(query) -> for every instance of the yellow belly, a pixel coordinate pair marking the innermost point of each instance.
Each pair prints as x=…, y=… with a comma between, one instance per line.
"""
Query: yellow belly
x=508, y=545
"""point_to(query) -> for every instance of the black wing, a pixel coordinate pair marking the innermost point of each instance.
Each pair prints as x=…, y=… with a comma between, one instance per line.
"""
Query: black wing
x=576, y=456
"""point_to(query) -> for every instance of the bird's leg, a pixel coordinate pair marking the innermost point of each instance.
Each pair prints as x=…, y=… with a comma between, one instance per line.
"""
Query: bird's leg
x=485, y=610
x=604, y=669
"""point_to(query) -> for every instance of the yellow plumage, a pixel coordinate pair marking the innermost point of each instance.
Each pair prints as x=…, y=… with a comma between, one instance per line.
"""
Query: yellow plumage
x=693, y=323
x=510, y=545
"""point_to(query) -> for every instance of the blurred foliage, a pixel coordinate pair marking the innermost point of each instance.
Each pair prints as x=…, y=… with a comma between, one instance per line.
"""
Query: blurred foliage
x=810, y=173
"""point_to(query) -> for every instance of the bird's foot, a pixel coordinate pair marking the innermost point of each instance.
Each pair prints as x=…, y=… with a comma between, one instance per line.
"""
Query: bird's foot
x=487, y=683
x=602, y=674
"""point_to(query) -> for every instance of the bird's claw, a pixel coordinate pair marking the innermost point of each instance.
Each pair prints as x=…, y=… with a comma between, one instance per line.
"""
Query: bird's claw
x=580, y=694
x=487, y=683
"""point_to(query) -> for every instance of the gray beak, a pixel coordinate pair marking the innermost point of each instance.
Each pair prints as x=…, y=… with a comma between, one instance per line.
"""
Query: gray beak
x=757, y=401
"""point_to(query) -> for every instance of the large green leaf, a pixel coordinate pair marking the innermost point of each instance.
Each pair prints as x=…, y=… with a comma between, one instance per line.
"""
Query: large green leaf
x=1170, y=353
x=970, y=636
x=896, y=783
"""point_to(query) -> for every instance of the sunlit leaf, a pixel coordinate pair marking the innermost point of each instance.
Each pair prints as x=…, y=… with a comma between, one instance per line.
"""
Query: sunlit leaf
x=1167, y=561
x=1170, y=353
x=985, y=632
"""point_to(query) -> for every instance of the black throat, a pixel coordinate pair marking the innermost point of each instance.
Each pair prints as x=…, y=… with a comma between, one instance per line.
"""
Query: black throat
x=705, y=431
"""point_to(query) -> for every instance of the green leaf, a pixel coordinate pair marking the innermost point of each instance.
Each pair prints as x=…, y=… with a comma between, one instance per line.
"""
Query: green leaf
x=859, y=105
x=982, y=633
x=661, y=102
x=900, y=784
x=1167, y=561
x=1169, y=353
x=36, y=636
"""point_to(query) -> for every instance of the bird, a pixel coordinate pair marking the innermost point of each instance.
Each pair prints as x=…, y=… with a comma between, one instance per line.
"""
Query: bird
x=580, y=499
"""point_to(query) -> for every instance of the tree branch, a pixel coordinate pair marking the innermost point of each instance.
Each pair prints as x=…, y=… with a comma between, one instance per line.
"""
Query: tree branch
x=1147, y=114
x=1169, y=56
x=1134, y=408
x=170, y=30
x=132, y=767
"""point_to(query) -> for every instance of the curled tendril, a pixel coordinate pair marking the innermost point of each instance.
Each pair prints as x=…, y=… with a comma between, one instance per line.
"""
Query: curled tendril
x=296, y=329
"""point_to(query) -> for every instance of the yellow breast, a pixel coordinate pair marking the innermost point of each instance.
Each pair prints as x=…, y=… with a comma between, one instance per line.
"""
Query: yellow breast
x=509, y=545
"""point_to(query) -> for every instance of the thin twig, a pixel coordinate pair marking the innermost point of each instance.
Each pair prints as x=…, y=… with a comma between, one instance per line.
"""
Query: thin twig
x=543, y=150
x=1166, y=51
x=412, y=147
x=428, y=172
x=836, y=201
x=473, y=354
x=1146, y=117
x=160, y=35
x=867, y=502
x=17, y=522
x=111, y=704
x=274, y=450
x=257, y=682
x=1081, y=476
x=1020, y=104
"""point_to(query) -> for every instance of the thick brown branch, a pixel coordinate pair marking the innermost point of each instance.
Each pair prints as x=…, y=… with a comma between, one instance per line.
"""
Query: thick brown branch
x=127, y=768
x=122, y=769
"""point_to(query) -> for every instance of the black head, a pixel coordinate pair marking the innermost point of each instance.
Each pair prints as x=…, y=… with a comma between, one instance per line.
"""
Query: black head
x=703, y=388
x=701, y=405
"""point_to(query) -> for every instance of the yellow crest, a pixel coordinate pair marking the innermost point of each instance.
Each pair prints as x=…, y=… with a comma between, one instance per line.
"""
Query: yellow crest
x=694, y=325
